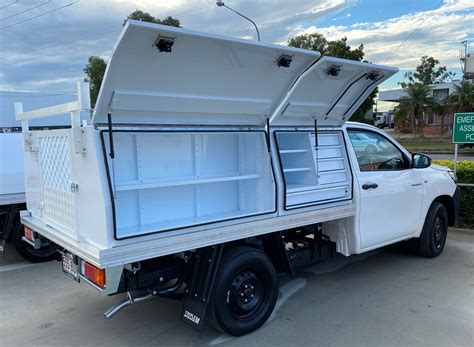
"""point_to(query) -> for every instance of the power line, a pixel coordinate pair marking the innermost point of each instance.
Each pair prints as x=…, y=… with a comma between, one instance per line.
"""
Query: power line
x=190, y=11
x=28, y=10
x=91, y=36
x=13, y=3
x=413, y=32
x=40, y=15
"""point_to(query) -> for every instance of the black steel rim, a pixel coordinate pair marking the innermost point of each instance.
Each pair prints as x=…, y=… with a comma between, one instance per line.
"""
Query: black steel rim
x=246, y=295
x=439, y=232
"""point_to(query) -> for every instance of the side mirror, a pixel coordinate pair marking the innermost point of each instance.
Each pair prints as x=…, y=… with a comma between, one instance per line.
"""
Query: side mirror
x=420, y=161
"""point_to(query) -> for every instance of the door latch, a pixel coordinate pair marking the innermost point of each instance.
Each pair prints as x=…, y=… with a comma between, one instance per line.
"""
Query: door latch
x=369, y=185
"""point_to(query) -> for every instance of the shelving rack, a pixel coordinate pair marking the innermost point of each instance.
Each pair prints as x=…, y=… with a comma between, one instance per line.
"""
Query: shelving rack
x=313, y=175
x=169, y=180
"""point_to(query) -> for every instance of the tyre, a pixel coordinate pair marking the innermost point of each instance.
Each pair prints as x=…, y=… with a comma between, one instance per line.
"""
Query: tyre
x=28, y=252
x=245, y=291
x=435, y=230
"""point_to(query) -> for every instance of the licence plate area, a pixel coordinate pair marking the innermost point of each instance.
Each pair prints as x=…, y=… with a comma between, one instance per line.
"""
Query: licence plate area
x=70, y=265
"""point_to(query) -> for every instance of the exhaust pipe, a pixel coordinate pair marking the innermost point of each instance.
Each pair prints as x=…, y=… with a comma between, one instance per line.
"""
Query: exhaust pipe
x=126, y=302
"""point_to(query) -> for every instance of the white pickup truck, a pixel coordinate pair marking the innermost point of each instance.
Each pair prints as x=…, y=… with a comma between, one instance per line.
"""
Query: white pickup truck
x=212, y=164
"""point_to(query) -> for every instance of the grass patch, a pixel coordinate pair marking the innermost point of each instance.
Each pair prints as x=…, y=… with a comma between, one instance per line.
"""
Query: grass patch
x=430, y=145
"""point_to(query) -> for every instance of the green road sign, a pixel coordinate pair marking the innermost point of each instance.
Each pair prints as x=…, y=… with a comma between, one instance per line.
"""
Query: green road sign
x=463, y=128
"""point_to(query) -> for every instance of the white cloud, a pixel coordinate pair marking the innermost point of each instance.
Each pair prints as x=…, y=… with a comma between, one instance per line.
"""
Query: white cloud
x=54, y=48
x=61, y=80
x=438, y=35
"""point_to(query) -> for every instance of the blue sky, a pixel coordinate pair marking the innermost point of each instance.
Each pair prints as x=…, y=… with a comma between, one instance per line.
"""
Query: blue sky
x=48, y=53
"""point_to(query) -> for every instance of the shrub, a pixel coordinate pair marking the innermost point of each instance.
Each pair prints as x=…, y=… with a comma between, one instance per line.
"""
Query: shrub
x=465, y=174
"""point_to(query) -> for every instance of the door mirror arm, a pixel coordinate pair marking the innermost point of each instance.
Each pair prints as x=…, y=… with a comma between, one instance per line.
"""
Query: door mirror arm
x=420, y=161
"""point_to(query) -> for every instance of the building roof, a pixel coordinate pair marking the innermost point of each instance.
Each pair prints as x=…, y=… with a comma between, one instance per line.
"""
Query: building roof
x=394, y=95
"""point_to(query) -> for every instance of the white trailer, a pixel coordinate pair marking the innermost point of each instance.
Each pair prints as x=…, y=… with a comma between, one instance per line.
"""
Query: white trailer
x=213, y=163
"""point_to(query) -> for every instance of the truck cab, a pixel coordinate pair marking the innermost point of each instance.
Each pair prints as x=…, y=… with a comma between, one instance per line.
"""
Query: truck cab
x=393, y=184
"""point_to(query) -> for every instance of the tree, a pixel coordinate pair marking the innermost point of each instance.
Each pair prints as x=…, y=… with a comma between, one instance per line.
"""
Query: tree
x=427, y=72
x=462, y=99
x=340, y=49
x=442, y=108
x=414, y=105
x=146, y=17
x=95, y=68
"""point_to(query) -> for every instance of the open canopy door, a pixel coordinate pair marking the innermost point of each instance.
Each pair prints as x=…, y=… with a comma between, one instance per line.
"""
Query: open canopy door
x=330, y=91
x=165, y=75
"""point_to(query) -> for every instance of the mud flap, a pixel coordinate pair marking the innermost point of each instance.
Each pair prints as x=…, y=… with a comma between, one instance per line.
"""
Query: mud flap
x=199, y=289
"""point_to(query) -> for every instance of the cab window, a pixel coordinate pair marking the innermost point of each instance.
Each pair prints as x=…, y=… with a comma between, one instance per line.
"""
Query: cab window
x=376, y=152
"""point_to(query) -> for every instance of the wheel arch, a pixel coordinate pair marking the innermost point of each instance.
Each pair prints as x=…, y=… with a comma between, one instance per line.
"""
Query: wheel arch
x=448, y=203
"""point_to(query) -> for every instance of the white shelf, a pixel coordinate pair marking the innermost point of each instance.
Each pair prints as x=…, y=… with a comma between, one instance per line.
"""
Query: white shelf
x=186, y=222
x=293, y=187
x=297, y=169
x=330, y=159
x=327, y=146
x=135, y=185
x=286, y=151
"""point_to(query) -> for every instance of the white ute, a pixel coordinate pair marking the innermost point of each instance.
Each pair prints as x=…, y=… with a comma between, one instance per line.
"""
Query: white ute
x=212, y=164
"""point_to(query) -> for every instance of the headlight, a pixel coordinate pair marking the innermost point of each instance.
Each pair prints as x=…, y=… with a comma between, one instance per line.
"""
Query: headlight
x=451, y=174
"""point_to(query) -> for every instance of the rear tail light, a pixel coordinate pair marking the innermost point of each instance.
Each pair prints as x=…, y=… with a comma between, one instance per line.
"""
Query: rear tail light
x=94, y=274
x=28, y=234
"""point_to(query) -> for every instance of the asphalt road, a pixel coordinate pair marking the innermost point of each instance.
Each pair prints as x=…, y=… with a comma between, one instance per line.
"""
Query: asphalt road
x=461, y=156
x=385, y=298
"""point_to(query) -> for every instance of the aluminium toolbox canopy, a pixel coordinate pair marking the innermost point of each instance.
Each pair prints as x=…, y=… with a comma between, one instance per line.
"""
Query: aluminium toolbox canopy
x=161, y=75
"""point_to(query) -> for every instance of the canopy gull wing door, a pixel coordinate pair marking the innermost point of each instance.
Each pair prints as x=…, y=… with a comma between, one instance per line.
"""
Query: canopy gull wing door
x=330, y=91
x=164, y=75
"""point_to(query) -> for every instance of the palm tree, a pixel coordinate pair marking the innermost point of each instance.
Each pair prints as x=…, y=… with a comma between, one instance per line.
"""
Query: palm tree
x=415, y=104
x=442, y=108
x=462, y=99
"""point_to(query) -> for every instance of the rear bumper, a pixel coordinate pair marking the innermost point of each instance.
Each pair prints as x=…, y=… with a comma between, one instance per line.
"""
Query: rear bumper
x=81, y=249
x=457, y=204
x=84, y=252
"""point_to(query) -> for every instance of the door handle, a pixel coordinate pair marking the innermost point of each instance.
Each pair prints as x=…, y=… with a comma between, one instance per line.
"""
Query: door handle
x=369, y=185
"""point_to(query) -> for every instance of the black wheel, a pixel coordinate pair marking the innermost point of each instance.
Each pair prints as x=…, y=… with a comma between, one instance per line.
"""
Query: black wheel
x=28, y=252
x=435, y=230
x=245, y=291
